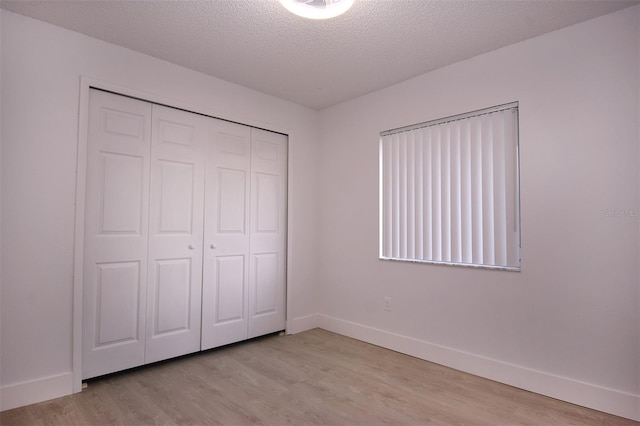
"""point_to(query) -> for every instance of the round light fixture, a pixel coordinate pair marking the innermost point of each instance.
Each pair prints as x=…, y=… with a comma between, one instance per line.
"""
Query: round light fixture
x=317, y=9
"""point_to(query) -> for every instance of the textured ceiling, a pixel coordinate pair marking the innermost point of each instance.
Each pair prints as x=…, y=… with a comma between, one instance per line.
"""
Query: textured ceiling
x=258, y=44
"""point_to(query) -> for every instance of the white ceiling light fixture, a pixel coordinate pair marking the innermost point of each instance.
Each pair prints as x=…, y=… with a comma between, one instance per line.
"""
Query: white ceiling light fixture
x=317, y=9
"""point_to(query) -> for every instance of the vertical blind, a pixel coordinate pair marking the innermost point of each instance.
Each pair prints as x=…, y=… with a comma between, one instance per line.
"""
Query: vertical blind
x=449, y=190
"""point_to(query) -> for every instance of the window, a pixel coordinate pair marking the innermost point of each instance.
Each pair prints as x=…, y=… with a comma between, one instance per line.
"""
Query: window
x=449, y=190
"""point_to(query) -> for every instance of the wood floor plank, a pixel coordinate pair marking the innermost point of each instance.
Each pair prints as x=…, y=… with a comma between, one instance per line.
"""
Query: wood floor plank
x=312, y=378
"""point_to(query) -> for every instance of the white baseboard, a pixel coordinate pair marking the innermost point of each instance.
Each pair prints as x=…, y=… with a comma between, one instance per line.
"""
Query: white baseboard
x=588, y=395
x=31, y=392
x=596, y=397
x=300, y=324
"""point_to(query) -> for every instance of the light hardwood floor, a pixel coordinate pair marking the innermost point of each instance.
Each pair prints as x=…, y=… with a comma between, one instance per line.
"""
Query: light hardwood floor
x=312, y=378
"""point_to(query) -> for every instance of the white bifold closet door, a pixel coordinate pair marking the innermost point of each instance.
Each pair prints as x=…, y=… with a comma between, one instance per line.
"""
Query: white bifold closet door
x=225, y=292
x=245, y=234
x=268, y=225
x=174, y=288
x=116, y=234
x=185, y=231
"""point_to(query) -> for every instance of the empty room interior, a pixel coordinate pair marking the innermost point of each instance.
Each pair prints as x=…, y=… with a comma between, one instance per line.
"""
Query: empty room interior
x=412, y=212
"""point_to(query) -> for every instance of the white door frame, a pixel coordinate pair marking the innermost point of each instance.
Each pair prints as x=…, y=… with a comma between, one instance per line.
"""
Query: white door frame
x=87, y=83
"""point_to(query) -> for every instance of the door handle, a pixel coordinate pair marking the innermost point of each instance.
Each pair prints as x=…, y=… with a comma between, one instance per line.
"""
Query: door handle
x=213, y=246
x=191, y=247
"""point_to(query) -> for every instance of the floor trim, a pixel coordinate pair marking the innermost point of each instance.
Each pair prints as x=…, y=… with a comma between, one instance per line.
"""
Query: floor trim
x=33, y=391
x=588, y=395
x=300, y=324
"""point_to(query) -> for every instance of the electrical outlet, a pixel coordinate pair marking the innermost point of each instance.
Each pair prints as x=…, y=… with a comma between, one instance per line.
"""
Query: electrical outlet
x=387, y=303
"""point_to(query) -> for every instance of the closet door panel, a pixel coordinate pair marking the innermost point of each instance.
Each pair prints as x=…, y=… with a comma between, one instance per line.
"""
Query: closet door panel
x=176, y=186
x=117, y=307
x=122, y=179
x=175, y=233
x=267, y=282
x=232, y=202
x=226, y=248
x=172, y=296
x=267, y=286
x=116, y=222
x=230, y=295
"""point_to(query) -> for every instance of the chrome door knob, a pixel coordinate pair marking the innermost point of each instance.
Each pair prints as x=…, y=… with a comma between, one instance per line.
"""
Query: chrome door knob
x=191, y=247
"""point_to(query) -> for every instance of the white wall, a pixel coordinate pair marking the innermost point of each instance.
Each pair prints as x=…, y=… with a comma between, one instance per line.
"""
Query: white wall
x=568, y=325
x=40, y=71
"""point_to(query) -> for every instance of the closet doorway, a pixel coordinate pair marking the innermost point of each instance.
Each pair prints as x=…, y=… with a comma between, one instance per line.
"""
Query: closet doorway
x=184, y=233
